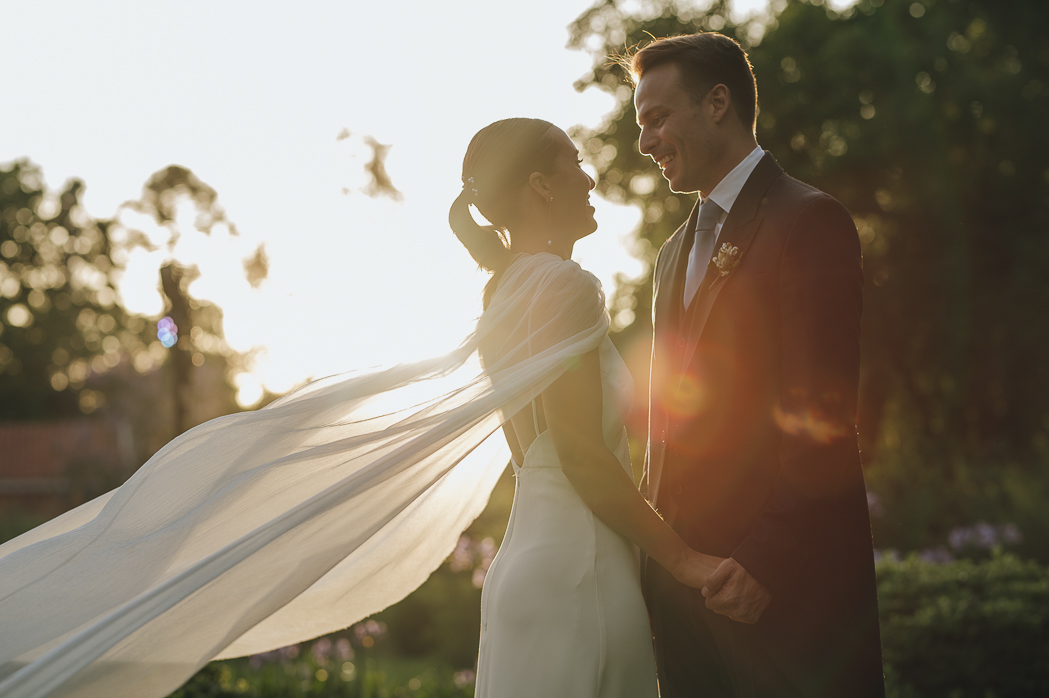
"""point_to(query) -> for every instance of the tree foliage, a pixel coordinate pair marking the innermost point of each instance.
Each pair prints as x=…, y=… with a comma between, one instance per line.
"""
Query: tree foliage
x=176, y=203
x=68, y=347
x=926, y=119
x=60, y=322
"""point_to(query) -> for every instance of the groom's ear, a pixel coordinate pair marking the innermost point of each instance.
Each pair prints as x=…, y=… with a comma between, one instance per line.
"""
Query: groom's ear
x=539, y=184
x=720, y=102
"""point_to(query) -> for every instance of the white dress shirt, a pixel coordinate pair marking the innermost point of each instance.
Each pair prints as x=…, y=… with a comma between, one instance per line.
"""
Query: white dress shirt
x=724, y=195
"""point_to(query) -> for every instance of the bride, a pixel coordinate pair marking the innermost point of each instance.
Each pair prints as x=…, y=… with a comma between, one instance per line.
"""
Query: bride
x=561, y=609
x=261, y=529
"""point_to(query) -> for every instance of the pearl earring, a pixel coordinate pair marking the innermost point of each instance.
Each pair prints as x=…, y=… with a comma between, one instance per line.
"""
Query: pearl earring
x=549, y=242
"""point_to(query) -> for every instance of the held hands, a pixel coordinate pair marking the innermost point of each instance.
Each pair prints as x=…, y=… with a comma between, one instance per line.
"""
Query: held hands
x=732, y=592
x=694, y=569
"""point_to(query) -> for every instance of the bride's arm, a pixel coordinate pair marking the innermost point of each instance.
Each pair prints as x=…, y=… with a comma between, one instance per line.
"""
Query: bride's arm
x=573, y=405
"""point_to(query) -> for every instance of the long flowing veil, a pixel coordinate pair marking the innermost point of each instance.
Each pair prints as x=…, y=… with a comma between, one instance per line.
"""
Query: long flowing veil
x=261, y=529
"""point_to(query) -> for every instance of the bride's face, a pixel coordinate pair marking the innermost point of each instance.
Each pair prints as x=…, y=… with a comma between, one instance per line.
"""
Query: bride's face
x=570, y=187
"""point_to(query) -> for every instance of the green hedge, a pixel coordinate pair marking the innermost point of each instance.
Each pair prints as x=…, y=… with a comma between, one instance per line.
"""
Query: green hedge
x=965, y=629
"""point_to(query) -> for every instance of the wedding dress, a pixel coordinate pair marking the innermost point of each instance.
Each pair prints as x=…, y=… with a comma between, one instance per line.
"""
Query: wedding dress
x=562, y=614
x=261, y=529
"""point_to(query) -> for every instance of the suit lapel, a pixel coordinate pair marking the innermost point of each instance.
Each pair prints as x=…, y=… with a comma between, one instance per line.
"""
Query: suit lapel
x=670, y=281
x=738, y=231
x=666, y=313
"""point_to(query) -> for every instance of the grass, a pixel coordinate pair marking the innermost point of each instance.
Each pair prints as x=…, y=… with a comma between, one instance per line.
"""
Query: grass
x=326, y=669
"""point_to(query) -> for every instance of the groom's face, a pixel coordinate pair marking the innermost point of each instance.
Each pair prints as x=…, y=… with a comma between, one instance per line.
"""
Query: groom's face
x=676, y=132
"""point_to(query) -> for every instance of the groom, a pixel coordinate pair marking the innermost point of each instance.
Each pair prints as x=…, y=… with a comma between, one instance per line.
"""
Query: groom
x=752, y=442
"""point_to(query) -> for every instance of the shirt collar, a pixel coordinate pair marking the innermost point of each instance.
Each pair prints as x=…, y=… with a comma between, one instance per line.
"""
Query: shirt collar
x=727, y=190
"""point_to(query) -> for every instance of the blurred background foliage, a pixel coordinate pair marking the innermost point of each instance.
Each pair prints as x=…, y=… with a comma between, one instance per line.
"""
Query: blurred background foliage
x=68, y=347
x=60, y=320
x=925, y=118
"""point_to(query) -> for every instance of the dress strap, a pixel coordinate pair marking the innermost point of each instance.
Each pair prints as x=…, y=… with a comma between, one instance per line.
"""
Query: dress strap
x=535, y=413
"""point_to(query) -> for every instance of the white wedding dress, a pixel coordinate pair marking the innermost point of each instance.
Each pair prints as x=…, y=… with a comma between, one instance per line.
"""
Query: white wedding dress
x=261, y=529
x=562, y=614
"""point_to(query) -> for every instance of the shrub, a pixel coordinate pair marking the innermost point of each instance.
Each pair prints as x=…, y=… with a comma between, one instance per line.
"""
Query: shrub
x=965, y=629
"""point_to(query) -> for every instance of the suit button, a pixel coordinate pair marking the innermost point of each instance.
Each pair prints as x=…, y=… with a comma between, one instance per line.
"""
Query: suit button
x=677, y=489
x=681, y=342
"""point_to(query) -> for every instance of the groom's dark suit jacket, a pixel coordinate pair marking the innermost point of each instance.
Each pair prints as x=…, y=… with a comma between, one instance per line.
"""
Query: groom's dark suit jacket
x=752, y=439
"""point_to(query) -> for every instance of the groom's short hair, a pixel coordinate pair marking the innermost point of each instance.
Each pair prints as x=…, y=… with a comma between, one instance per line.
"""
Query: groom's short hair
x=704, y=60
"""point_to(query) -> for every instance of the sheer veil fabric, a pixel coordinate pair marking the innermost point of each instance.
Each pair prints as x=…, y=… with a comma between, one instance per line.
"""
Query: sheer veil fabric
x=261, y=529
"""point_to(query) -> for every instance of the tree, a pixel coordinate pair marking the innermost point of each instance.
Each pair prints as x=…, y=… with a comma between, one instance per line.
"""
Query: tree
x=926, y=119
x=67, y=345
x=193, y=326
x=61, y=323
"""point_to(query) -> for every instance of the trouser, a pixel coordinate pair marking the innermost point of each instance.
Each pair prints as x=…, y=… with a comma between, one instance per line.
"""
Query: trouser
x=701, y=654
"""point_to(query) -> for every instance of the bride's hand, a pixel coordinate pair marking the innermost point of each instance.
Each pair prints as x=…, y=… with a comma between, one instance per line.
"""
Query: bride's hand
x=694, y=568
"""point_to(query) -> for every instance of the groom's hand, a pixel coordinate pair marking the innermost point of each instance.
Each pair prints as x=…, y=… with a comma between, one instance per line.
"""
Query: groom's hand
x=732, y=592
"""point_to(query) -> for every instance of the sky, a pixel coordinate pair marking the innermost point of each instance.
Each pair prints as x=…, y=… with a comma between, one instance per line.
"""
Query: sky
x=252, y=97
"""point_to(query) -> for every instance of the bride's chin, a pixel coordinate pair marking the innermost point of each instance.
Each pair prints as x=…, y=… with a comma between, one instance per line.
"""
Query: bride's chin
x=586, y=227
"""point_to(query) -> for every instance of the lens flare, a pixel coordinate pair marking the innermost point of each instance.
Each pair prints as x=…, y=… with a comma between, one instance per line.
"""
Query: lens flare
x=811, y=423
x=167, y=332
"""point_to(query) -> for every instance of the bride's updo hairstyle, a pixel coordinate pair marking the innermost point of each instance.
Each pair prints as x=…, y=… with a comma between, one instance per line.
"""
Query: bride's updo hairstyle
x=499, y=161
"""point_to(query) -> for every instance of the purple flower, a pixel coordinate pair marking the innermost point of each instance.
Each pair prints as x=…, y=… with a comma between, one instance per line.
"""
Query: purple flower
x=369, y=631
x=486, y=551
x=874, y=505
x=462, y=557
x=320, y=650
x=936, y=556
x=984, y=536
x=282, y=654
x=462, y=678
x=887, y=554
x=1010, y=533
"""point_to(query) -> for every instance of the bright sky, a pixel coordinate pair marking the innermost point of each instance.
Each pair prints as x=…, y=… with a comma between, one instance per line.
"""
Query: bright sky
x=251, y=97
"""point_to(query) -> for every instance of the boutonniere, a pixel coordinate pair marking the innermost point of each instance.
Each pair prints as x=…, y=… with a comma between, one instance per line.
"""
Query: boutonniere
x=727, y=259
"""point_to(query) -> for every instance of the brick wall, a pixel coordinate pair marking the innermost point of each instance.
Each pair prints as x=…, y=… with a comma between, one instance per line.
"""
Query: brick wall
x=47, y=467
